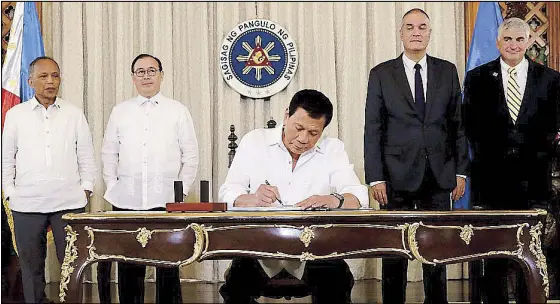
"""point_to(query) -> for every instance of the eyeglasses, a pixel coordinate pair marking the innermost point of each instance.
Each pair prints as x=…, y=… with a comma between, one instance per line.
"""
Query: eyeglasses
x=141, y=72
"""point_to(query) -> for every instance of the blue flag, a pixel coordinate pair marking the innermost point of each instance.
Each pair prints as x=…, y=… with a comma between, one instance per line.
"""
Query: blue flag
x=32, y=47
x=483, y=44
x=482, y=50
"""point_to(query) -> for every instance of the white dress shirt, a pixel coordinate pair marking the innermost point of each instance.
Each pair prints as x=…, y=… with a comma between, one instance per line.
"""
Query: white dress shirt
x=410, y=76
x=411, y=72
x=148, y=144
x=320, y=171
x=47, y=157
x=521, y=68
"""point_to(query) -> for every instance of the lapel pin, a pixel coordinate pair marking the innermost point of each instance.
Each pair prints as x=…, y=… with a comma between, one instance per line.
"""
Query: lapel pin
x=495, y=74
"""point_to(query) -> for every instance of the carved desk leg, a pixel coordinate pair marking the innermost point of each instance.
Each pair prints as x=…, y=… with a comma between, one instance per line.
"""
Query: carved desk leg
x=87, y=244
x=519, y=242
x=533, y=263
x=535, y=268
x=75, y=261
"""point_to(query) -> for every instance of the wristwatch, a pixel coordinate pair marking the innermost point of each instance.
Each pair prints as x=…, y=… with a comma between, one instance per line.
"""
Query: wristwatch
x=340, y=198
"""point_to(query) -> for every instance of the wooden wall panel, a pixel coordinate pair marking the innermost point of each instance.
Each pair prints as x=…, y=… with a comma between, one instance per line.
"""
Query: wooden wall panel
x=553, y=9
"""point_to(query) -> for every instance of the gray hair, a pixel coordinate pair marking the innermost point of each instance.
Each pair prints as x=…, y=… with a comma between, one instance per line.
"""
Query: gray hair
x=514, y=23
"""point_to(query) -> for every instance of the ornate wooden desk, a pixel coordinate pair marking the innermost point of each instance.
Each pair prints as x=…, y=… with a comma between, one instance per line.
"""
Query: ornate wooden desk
x=171, y=239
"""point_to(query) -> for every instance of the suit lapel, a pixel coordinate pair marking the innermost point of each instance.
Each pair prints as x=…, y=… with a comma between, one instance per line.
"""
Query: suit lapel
x=497, y=79
x=400, y=77
x=531, y=82
x=433, y=81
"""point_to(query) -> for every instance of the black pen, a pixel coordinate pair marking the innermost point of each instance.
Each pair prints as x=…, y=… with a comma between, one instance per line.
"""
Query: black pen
x=268, y=184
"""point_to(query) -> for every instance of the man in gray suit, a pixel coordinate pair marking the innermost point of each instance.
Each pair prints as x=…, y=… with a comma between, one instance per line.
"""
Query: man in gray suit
x=414, y=144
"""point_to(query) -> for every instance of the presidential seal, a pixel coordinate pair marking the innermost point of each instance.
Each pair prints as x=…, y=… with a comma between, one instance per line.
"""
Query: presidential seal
x=258, y=58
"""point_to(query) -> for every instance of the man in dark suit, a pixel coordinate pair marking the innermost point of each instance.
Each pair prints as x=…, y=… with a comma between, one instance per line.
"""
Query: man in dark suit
x=414, y=143
x=511, y=117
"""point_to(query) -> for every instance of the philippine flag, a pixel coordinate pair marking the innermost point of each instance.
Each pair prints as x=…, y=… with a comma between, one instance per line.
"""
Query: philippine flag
x=24, y=46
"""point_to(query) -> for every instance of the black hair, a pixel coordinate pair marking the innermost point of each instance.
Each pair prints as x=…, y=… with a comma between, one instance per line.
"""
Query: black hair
x=144, y=56
x=315, y=103
x=34, y=62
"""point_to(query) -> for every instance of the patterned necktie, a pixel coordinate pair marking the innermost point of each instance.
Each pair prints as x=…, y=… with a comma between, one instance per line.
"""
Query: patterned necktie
x=419, y=92
x=513, y=94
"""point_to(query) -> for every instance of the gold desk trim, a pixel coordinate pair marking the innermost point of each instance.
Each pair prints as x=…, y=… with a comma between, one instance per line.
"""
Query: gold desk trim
x=535, y=247
x=284, y=214
x=308, y=232
x=70, y=255
x=197, y=250
x=304, y=256
x=416, y=250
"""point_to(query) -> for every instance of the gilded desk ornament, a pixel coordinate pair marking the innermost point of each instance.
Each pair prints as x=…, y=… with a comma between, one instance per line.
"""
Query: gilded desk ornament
x=414, y=244
x=307, y=256
x=199, y=242
x=143, y=236
x=70, y=255
x=466, y=233
x=520, y=244
x=541, y=212
x=536, y=250
x=92, y=256
x=306, y=236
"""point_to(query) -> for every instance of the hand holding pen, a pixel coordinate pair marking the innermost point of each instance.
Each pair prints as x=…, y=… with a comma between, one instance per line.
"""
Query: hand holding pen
x=271, y=190
x=264, y=196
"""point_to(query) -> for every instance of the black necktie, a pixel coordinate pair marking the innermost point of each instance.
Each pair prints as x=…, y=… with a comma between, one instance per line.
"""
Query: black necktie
x=419, y=92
